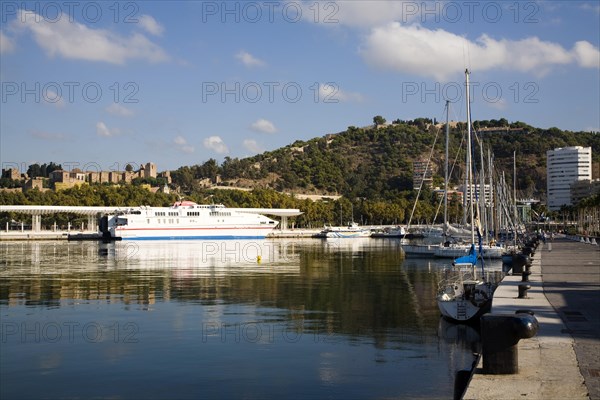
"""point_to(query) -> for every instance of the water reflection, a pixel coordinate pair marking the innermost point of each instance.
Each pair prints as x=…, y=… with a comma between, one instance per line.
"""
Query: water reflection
x=273, y=318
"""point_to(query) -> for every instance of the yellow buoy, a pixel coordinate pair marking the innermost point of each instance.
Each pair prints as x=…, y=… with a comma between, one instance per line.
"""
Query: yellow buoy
x=258, y=259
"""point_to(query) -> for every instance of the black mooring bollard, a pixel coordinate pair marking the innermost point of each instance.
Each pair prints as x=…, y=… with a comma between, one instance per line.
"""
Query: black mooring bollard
x=523, y=291
x=519, y=261
x=525, y=275
x=500, y=334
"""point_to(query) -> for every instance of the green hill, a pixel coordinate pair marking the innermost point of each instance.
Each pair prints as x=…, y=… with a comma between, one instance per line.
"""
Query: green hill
x=372, y=168
x=377, y=163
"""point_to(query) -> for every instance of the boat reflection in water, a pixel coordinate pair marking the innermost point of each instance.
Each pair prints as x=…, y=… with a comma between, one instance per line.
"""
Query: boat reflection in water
x=192, y=319
x=463, y=344
x=215, y=257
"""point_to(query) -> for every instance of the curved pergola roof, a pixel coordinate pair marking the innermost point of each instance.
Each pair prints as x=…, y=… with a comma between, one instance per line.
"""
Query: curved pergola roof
x=41, y=210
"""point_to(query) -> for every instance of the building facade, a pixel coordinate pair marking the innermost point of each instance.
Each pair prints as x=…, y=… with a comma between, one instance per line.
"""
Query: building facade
x=488, y=193
x=565, y=166
x=584, y=189
x=421, y=173
x=11, y=173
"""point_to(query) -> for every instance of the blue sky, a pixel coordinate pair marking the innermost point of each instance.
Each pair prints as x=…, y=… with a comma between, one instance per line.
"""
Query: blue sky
x=103, y=84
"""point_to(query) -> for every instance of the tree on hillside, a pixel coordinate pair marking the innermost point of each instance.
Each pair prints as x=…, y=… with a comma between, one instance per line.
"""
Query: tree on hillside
x=378, y=120
x=34, y=170
x=210, y=169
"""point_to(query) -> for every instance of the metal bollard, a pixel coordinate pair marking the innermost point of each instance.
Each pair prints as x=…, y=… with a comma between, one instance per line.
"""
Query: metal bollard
x=500, y=334
x=523, y=291
x=518, y=262
x=525, y=275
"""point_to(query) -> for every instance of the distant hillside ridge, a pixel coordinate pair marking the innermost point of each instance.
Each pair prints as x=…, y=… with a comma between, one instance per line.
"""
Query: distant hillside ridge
x=377, y=162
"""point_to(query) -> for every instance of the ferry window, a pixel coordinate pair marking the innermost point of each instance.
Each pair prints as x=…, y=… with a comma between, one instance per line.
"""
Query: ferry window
x=148, y=220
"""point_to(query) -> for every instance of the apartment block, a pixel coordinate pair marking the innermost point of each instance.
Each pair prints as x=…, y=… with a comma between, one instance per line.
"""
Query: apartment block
x=565, y=166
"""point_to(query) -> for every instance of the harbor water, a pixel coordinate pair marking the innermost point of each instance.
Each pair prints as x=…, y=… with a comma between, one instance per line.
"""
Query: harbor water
x=297, y=318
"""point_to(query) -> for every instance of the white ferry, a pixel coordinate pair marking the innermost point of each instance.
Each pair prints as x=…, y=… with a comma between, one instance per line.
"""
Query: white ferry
x=187, y=220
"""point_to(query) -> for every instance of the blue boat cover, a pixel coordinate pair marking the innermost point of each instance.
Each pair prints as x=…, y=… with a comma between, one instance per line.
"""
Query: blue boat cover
x=470, y=258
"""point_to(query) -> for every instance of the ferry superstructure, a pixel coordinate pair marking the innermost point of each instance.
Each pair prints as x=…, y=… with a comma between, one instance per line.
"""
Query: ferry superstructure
x=187, y=220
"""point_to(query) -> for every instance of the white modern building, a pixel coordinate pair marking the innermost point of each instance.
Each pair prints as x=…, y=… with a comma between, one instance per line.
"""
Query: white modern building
x=564, y=166
x=488, y=192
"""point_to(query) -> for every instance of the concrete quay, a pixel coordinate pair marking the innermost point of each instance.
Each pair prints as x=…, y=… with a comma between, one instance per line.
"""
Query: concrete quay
x=563, y=360
x=35, y=235
x=89, y=235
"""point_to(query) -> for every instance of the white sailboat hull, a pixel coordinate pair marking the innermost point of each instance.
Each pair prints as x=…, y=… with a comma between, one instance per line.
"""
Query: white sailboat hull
x=461, y=310
x=415, y=250
x=346, y=235
x=489, y=252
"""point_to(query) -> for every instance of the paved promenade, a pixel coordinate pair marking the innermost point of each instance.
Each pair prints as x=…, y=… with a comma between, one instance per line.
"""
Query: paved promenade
x=563, y=360
x=571, y=274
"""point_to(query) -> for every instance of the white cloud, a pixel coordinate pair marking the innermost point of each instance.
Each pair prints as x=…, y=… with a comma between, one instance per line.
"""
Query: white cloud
x=263, y=126
x=500, y=104
x=52, y=98
x=150, y=25
x=104, y=131
x=252, y=146
x=249, y=60
x=439, y=54
x=7, y=44
x=48, y=135
x=216, y=144
x=331, y=93
x=119, y=110
x=182, y=145
x=586, y=54
x=76, y=41
x=591, y=7
x=368, y=13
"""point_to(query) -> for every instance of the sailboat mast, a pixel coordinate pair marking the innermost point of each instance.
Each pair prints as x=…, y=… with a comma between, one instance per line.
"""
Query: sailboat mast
x=482, y=196
x=468, y=163
x=494, y=222
x=515, y=192
x=446, y=168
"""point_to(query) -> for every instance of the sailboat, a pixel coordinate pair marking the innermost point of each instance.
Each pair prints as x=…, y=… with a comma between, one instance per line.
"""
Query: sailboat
x=352, y=230
x=462, y=295
x=453, y=249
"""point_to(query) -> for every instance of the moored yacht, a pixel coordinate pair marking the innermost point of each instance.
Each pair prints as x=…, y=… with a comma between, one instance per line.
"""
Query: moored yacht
x=187, y=220
x=350, y=231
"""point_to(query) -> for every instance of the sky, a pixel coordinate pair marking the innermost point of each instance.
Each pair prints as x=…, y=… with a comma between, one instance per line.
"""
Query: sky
x=98, y=85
